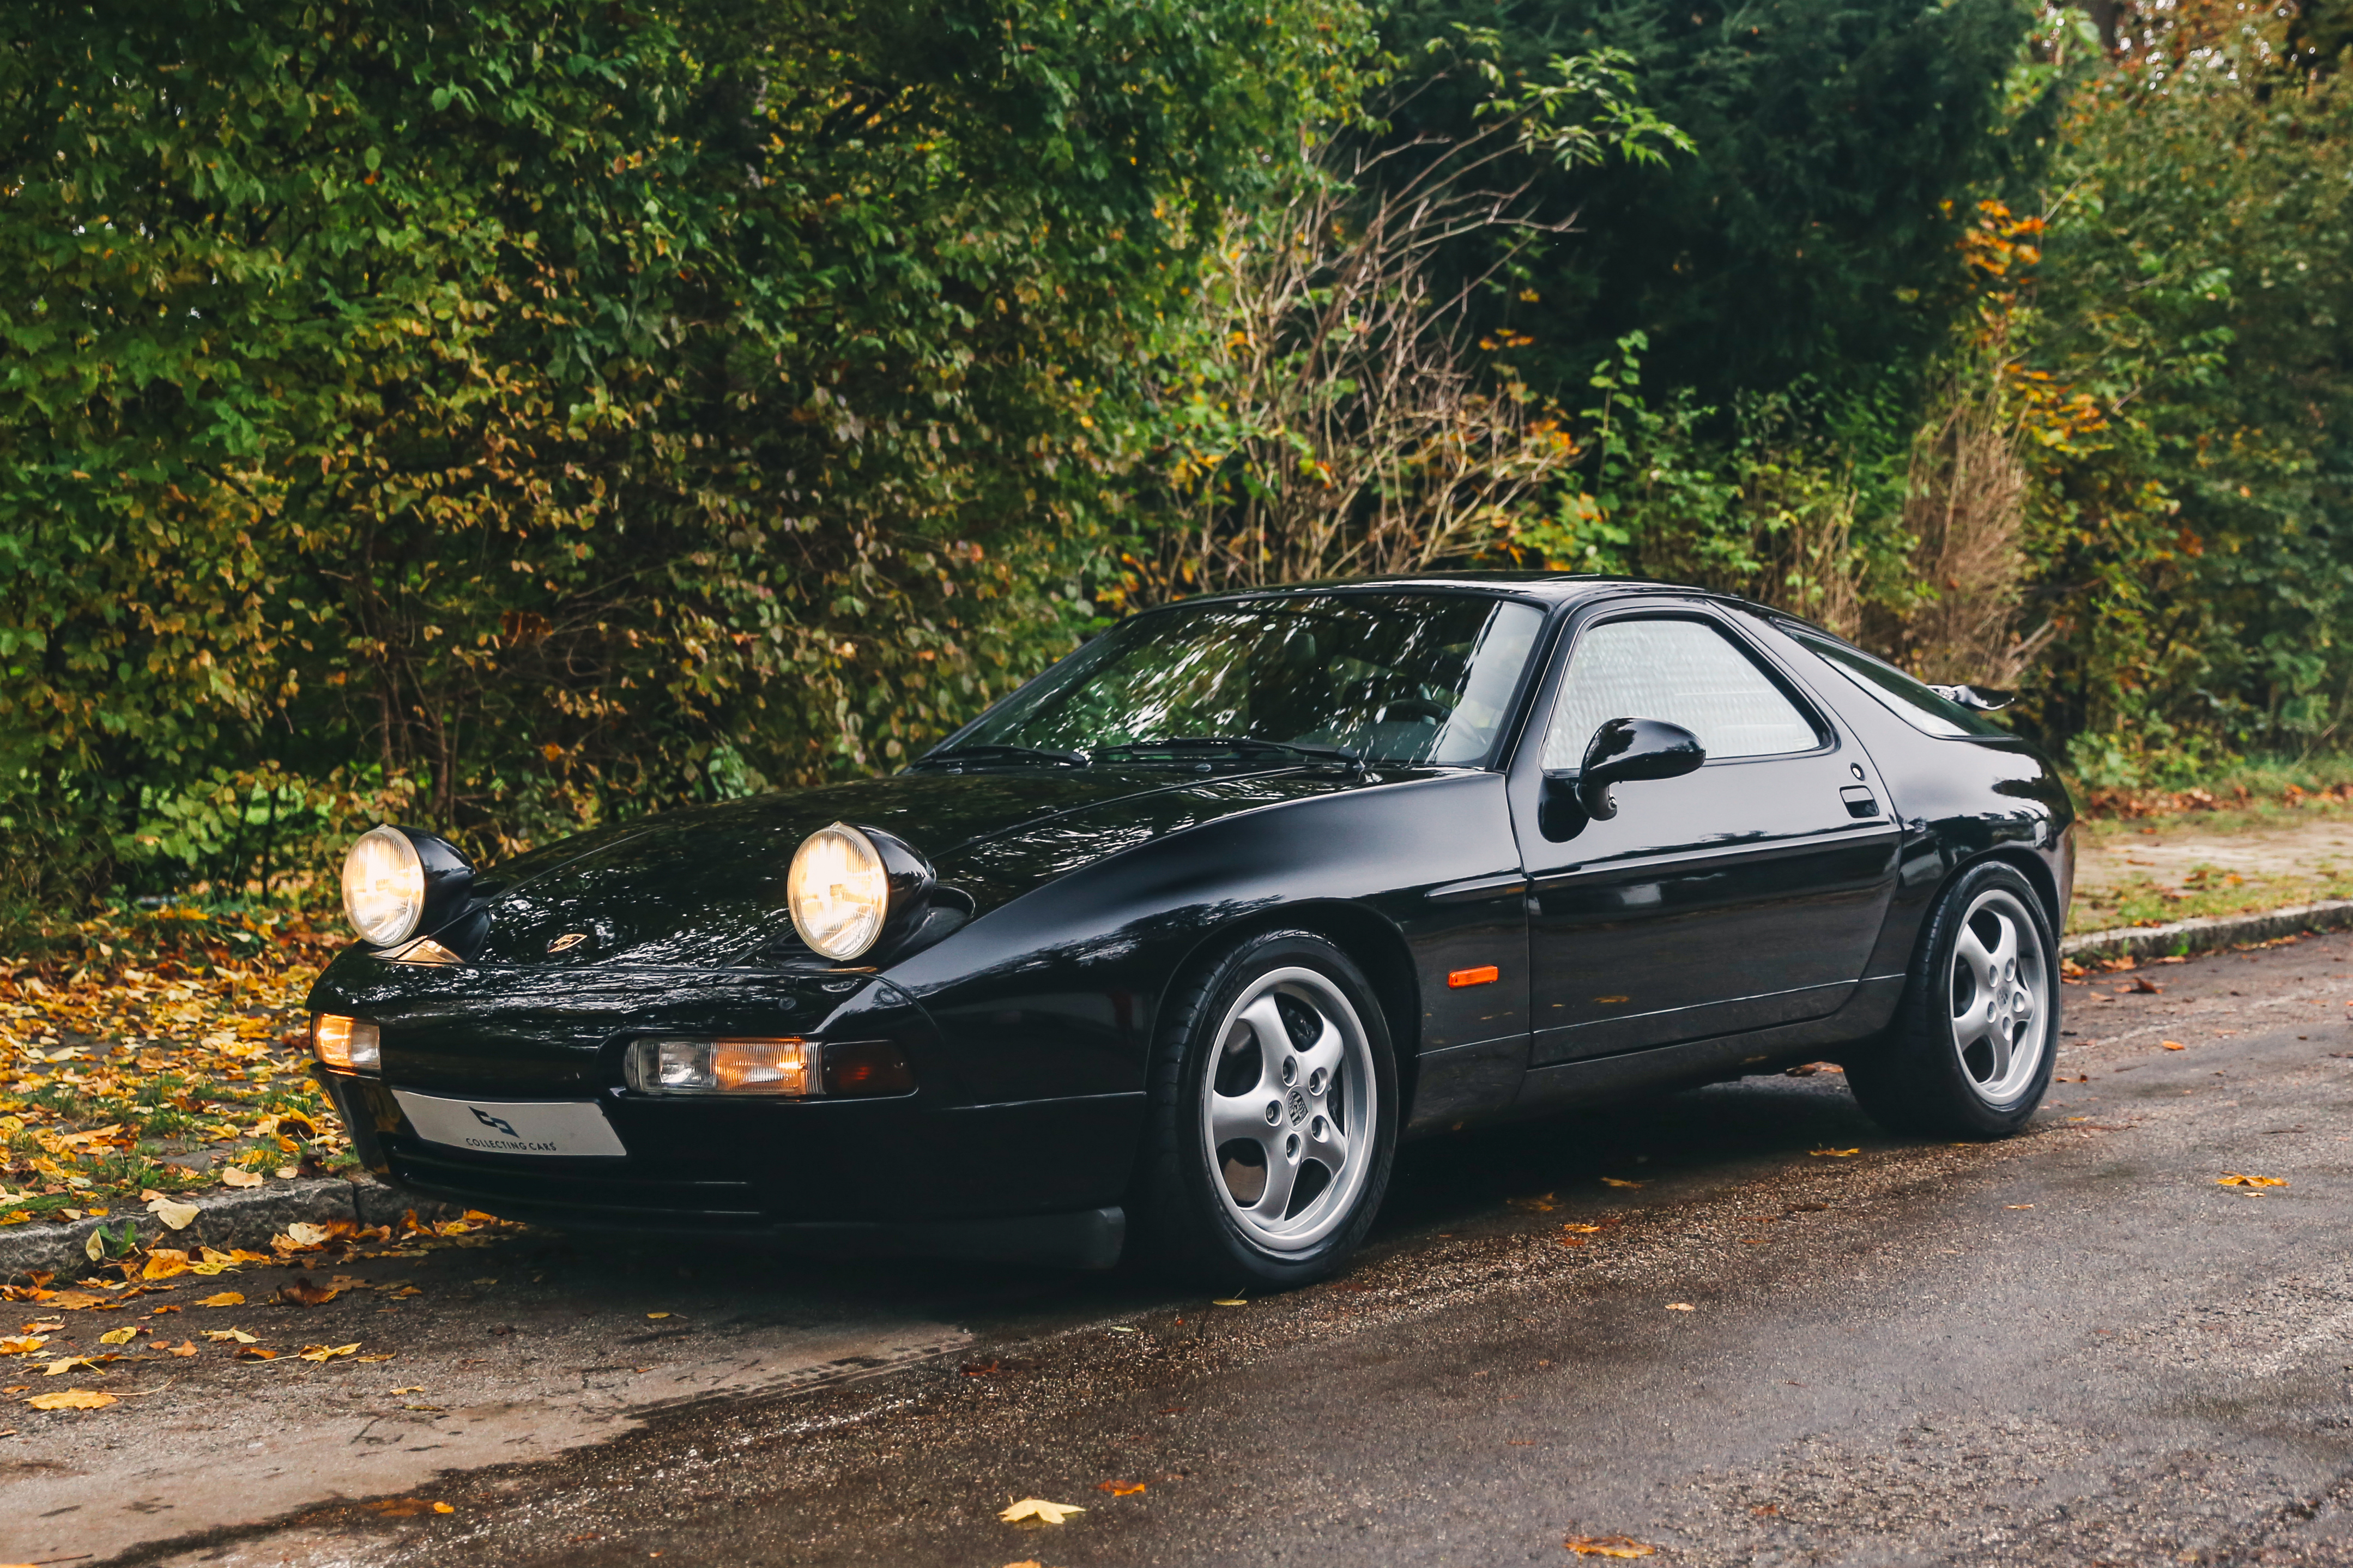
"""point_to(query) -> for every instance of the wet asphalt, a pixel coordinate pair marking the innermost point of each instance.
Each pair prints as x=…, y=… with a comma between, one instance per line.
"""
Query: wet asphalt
x=1691, y=1323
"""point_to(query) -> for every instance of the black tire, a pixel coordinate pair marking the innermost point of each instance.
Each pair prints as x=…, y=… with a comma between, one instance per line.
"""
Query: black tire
x=1941, y=1070
x=1190, y=1211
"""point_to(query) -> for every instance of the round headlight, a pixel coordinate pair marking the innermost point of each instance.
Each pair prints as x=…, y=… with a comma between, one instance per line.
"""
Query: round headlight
x=840, y=892
x=384, y=886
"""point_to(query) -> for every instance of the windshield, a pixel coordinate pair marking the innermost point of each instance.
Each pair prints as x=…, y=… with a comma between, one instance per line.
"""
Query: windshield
x=1390, y=678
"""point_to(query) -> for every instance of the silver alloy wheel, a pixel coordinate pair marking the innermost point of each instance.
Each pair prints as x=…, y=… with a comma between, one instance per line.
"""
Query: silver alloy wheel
x=2000, y=998
x=1287, y=1110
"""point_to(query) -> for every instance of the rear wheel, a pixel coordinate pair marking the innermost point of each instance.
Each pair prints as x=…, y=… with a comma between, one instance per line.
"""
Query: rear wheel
x=1973, y=1044
x=1273, y=1116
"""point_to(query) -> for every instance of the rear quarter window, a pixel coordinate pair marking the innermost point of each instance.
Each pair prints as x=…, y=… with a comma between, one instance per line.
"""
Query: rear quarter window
x=1907, y=698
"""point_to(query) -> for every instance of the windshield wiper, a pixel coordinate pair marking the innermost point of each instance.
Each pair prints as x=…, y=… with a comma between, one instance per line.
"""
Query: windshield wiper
x=989, y=752
x=1185, y=745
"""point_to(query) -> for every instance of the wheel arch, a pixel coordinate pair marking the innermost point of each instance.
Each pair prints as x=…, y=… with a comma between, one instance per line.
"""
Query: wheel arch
x=2038, y=875
x=1376, y=946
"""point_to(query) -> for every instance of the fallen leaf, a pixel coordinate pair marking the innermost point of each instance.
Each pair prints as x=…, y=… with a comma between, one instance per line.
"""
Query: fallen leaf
x=117, y=1336
x=303, y=1293
x=56, y=1368
x=2171, y=1045
x=1120, y=1489
x=1618, y=1182
x=218, y=1335
x=72, y=1399
x=1582, y=1229
x=2232, y=1179
x=178, y=1216
x=1834, y=1153
x=164, y=1263
x=657, y=1316
x=445, y=1507
x=1041, y=1509
x=1230, y=1301
x=417, y=1389
x=303, y=1235
x=1609, y=1546
x=2146, y=987
x=325, y=1353
x=22, y=1344
x=2017, y=1206
x=226, y=1299
x=235, y=1176
x=385, y=1356
x=1765, y=1509
x=186, y=1347
x=1681, y=1307
x=254, y=1353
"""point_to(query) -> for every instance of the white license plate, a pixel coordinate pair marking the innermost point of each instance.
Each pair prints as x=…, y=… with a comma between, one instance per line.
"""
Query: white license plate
x=560, y=1127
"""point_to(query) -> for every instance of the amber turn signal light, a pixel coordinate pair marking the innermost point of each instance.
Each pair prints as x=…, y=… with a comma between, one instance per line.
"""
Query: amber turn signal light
x=347, y=1045
x=1485, y=974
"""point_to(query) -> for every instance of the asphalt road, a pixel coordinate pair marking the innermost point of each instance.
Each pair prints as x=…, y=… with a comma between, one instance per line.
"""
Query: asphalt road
x=2074, y=1347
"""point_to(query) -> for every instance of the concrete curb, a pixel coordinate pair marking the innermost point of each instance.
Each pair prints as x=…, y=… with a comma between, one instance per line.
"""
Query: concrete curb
x=2207, y=933
x=247, y=1219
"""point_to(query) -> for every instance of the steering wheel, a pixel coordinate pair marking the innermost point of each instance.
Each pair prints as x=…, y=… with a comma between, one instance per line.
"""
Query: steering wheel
x=1413, y=708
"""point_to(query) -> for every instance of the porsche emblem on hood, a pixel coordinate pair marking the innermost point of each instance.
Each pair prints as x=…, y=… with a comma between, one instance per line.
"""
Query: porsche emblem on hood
x=567, y=941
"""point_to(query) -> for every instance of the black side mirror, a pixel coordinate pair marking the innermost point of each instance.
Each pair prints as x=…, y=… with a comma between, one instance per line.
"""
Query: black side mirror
x=1978, y=699
x=1626, y=749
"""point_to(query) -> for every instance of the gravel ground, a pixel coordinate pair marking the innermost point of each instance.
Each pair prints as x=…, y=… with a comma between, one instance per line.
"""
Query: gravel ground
x=2074, y=1347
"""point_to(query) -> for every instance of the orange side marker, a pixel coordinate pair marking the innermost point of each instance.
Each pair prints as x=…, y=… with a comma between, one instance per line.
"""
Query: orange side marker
x=1486, y=974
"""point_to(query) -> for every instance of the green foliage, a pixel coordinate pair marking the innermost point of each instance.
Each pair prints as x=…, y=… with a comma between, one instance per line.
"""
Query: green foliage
x=1808, y=237
x=539, y=410
x=2187, y=352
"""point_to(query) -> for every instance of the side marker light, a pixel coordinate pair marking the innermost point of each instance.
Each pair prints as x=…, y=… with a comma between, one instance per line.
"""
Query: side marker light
x=1485, y=974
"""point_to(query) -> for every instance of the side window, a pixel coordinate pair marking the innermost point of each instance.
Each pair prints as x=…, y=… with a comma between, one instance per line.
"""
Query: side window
x=1685, y=672
x=1897, y=692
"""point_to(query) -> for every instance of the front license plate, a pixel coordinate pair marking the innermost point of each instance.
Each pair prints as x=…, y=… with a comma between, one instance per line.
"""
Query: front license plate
x=562, y=1127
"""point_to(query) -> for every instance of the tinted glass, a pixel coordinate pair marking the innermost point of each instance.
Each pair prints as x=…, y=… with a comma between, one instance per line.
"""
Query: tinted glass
x=1394, y=678
x=1907, y=698
x=1685, y=672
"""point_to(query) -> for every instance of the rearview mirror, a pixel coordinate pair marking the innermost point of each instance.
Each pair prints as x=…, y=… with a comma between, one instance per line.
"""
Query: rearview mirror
x=1628, y=749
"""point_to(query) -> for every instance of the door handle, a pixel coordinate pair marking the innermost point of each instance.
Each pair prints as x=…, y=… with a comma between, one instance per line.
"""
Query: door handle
x=1860, y=801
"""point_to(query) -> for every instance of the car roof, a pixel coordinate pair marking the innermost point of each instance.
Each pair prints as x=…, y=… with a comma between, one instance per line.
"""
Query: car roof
x=1552, y=587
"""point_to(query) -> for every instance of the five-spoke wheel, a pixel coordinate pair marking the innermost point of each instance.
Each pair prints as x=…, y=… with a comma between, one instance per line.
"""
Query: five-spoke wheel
x=1971, y=1048
x=1274, y=1114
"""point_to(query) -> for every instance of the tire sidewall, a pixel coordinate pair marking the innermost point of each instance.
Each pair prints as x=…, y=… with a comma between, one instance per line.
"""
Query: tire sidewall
x=1933, y=984
x=1220, y=1239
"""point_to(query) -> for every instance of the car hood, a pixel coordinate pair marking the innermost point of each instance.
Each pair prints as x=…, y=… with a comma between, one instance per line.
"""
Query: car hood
x=706, y=885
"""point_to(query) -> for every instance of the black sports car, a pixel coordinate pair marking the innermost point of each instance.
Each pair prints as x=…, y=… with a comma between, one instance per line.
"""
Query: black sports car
x=1170, y=948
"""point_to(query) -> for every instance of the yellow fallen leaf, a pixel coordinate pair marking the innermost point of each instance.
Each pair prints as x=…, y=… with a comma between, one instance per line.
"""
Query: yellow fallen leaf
x=1582, y=1229
x=237, y=1177
x=226, y=1299
x=325, y=1353
x=1230, y=1301
x=1681, y=1307
x=218, y=1335
x=2232, y=1179
x=178, y=1216
x=385, y=1356
x=1609, y=1546
x=67, y=1365
x=1041, y=1509
x=1834, y=1153
x=21, y=1344
x=1618, y=1182
x=657, y=1316
x=117, y=1336
x=164, y=1263
x=71, y=1399
x=445, y=1507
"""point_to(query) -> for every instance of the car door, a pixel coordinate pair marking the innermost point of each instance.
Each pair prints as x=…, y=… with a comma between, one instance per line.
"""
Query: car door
x=1743, y=895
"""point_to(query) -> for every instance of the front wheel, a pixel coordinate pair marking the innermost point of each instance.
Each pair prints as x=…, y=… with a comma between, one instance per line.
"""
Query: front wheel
x=1273, y=1116
x=1971, y=1050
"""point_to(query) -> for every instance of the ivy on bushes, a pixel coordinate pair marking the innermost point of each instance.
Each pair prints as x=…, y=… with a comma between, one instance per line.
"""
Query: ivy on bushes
x=512, y=414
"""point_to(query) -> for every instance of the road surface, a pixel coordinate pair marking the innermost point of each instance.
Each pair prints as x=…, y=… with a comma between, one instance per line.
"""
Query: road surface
x=1737, y=1326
